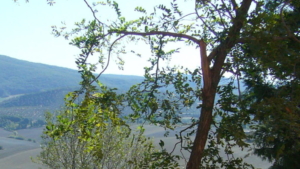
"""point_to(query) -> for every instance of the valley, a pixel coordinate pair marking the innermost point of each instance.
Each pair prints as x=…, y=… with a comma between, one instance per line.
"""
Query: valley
x=25, y=98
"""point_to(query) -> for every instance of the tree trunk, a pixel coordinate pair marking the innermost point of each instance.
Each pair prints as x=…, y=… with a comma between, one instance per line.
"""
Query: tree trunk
x=203, y=129
x=211, y=77
x=210, y=81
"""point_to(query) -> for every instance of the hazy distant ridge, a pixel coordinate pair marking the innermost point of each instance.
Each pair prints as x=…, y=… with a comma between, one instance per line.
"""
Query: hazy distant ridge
x=38, y=87
x=23, y=77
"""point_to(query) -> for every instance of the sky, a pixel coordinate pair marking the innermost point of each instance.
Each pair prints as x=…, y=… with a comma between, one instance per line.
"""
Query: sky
x=25, y=34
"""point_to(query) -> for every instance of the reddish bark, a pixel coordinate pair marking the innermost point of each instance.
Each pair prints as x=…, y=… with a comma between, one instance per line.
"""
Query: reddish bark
x=211, y=78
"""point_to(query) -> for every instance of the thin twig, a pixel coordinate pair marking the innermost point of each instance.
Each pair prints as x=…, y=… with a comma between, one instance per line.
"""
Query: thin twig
x=218, y=11
x=178, y=35
x=108, y=59
x=228, y=11
x=184, y=16
x=94, y=14
x=175, y=147
x=201, y=18
x=180, y=133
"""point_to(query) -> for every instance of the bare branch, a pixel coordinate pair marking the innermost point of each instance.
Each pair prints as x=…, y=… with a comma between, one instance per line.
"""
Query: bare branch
x=184, y=16
x=94, y=13
x=205, y=63
x=175, y=146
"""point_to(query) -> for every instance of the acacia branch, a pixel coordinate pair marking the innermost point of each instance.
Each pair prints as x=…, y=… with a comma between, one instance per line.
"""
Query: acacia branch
x=176, y=35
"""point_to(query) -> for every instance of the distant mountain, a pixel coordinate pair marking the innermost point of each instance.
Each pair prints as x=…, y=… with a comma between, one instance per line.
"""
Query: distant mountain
x=32, y=88
x=29, y=89
x=23, y=77
x=33, y=105
x=51, y=98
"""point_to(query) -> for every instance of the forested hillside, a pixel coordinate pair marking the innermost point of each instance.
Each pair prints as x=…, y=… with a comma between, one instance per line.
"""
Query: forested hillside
x=29, y=89
x=22, y=77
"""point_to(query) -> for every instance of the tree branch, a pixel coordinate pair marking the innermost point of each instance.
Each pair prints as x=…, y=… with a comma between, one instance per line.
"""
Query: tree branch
x=220, y=15
x=94, y=13
x=227, y=10
x=108, y=59
x=201, y=18
x=205, y=63
x=220, y=52
x=234, y=5
x=184, y=16
x=177, y=35
x=289, y=32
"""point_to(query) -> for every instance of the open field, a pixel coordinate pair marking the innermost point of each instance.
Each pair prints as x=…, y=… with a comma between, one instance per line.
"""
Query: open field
x=17, y=153
x=21, y=160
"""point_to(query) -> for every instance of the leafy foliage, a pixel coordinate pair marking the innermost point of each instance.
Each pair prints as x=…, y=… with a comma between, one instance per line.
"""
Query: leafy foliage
x=250, y=44
x=273, y=87
x=102, y=140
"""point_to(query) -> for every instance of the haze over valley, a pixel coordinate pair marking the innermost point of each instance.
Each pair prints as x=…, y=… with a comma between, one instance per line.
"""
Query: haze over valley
x=28, y=90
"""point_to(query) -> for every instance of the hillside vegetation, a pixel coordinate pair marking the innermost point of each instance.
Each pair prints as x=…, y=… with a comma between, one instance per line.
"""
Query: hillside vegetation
x=23, y=77
x=40, y=88
x=29, y=89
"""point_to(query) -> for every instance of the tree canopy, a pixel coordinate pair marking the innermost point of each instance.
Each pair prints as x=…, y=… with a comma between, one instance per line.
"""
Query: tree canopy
x=254, y=41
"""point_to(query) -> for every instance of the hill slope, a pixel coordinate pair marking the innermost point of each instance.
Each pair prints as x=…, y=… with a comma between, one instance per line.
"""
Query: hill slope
x=23, y=77
x=28, y=88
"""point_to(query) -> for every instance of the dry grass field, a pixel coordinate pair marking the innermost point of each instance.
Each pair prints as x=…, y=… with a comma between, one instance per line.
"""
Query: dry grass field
x=16, y=154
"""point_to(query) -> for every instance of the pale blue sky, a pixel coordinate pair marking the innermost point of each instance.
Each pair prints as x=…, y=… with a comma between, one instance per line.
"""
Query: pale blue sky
x=25, y=33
